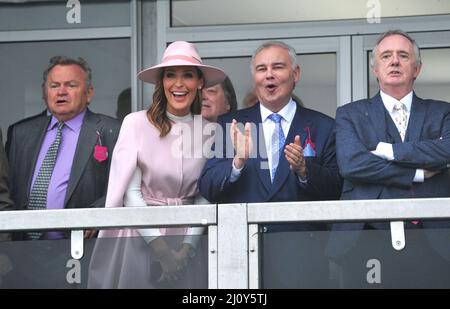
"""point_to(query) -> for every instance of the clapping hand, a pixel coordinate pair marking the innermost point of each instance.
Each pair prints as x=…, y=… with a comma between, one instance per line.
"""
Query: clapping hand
x=294, y=155
x=242, y=143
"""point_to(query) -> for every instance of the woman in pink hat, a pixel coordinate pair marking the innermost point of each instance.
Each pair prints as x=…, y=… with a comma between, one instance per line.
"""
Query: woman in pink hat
x=153, y=164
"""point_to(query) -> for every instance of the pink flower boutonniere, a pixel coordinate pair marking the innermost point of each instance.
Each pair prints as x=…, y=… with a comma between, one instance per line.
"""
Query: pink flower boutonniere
x=309, y=150
x=100, y=151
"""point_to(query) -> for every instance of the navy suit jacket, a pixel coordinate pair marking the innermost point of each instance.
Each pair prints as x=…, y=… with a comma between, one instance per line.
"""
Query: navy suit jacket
x=5, y=200
x=360, y=126
x=254, y=183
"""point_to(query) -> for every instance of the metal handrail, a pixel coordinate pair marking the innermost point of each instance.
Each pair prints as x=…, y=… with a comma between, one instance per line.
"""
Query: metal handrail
x=87, y=218
x=233, y=233
x=356, y=210
x=330, y=211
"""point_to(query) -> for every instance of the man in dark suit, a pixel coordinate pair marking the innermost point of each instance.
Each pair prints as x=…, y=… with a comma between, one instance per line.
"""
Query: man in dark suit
x=5, y=199
x=5, y=204
x=80, y=175
x=394, y=145
x=286, y=153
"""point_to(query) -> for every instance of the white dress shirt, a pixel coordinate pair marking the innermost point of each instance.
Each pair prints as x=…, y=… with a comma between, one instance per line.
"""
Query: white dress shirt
x=389, y=102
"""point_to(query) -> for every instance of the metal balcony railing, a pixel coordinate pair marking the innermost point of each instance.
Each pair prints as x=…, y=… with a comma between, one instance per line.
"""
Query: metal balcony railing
x=234, y=237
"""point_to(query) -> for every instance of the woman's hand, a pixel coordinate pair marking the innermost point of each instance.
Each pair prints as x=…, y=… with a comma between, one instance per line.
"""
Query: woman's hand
x=168, y=259
x=183, y=255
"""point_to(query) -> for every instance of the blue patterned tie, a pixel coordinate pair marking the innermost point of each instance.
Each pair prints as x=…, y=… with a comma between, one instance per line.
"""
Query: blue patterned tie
x=277, y=142
x=38, y=195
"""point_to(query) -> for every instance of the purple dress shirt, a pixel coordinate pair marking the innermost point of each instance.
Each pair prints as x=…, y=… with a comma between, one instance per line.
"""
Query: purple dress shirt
x=66, y=152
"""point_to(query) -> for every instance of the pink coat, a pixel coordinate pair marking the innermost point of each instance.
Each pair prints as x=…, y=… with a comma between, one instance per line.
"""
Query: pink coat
x=170, y=169
x=170, y=165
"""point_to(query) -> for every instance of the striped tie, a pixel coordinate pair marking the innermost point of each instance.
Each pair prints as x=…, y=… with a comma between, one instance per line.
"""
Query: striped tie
x=38, y=195
x=277, y=143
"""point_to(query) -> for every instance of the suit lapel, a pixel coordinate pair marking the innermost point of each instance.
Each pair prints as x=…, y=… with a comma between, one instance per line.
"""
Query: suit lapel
x=34, y=144
x=83, y=152
x=298, y=127
x=377, y=116
x=416, y=119
x=261, y=163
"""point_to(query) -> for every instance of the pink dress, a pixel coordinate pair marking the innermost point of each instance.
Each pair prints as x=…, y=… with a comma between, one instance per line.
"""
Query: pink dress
x=170, y=169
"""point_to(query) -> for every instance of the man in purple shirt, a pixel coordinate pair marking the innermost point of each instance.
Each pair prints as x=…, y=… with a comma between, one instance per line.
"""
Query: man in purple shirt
x=80, y=174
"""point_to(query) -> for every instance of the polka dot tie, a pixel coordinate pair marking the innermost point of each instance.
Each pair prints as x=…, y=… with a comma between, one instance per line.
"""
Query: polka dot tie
x=38, y=195
x=400, y=119
x=277, y=142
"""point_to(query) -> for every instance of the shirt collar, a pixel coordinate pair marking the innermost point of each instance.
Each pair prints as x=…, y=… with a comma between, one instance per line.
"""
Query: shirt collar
x=73, y=124
x=389, y=101
x=287, y=112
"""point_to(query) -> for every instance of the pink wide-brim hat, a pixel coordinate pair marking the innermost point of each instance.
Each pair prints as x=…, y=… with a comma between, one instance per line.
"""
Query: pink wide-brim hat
x=181, y=53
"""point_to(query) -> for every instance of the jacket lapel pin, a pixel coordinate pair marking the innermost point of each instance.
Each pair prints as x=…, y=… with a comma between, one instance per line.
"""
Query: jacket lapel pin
x=309, y=150
x=100, y=151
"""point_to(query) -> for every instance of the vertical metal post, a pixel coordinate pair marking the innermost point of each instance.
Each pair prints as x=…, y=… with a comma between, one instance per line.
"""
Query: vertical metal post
x=212, y=257
x=253, y=257
x=233, y=246
x=77, y=244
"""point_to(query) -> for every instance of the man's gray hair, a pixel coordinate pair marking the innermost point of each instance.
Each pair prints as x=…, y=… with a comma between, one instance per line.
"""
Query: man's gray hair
x=396, y=32
x=63, y=60
x=288, y=48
